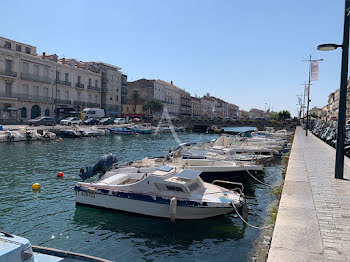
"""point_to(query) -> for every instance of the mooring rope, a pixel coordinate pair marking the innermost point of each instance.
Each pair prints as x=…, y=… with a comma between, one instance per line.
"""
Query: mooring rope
x=239, y=215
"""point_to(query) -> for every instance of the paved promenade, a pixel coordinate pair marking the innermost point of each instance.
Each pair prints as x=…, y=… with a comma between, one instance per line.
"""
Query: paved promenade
x=313, y=222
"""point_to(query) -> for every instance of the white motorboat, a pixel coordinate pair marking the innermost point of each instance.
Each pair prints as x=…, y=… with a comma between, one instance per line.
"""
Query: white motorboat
x=45, y=135
x=31, y=135
x=19, y=249
x=15, y=136
x=164, y=191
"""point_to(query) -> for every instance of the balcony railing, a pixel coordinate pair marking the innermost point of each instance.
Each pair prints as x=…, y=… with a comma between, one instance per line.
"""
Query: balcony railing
x=89, y=104
x=79, y=85
x=8, y=95
x=63, y=82
x=62, y=101
x=94, y=88
x=33, y=98
x=80, y=103
x=37, y=78
x=8, y=73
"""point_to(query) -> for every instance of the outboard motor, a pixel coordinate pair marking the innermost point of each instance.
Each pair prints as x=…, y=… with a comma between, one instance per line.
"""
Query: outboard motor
x=105, y=164
x=29, y=135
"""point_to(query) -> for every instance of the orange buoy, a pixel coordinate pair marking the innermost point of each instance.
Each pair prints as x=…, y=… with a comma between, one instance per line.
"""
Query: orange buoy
x=60, y=174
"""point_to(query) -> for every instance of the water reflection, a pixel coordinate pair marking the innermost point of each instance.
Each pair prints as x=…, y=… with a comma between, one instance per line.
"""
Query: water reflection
x=162, y=232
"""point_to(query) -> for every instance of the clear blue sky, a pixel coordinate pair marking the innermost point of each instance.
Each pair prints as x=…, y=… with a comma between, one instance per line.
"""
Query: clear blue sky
x=246, y=52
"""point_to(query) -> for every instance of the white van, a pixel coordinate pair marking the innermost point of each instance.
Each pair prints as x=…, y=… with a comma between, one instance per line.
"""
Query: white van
x=93, y=113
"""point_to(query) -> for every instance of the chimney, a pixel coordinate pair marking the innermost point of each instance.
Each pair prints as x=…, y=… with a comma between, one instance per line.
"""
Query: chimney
x=44, y=54
x=63, y=60
x=171, y=82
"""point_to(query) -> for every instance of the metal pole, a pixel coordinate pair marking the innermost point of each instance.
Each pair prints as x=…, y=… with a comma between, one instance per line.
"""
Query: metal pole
x=304, y=105
x=339, y=158
x=308, y=100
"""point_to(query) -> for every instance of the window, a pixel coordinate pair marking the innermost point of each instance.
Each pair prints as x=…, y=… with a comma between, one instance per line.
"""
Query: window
x=90, y=98
x=78, y=96
x=58, y=94
x=8, y=65
x=96, y=83
x=110, y=98
x=19, y=48
x=66, y=77
x=36, y=70
x=24, y=112
x=66, y=95
x=117, y=98
x=46, y=71
x=36, y=90
x=25, y=67
x=46, y=91
x=27, y=50
x=7, y=45
x=89, y=81
x=79, y=79
x=57, y=75
x=174, y=188
x=47, y=112
x=96, y=99
x=25, y=89
x=195, y=185
x=8, y=88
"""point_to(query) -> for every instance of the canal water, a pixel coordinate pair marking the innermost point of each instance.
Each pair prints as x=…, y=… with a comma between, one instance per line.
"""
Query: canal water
x=50, y=218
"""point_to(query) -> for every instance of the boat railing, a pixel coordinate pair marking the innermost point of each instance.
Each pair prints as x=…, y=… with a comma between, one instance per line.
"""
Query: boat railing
x=232, y=183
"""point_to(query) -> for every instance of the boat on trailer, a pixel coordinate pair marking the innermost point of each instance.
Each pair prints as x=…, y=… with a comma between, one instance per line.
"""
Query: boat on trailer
x=163, y=191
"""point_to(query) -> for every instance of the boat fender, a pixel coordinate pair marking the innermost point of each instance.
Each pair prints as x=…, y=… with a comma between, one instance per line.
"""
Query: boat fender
x=173, y=204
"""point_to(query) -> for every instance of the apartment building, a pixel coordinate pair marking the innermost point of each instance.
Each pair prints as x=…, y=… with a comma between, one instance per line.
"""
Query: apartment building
x=186, y=104
x=196, y=107
x=170, y=95
x=34, y=85
x=111, y=91
x=208, y=106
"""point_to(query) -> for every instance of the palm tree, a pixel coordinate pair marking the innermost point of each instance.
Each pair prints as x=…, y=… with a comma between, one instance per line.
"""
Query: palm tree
x=135, y=97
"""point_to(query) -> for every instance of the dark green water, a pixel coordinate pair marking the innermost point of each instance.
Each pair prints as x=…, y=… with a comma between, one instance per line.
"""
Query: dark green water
x=50, y=218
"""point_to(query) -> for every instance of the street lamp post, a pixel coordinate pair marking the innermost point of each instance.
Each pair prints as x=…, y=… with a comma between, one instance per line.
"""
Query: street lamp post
x=339, y=158
x=308, y=94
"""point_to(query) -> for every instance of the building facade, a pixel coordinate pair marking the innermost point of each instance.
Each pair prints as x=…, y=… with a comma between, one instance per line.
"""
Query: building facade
x=34, y=85
x=196, y=107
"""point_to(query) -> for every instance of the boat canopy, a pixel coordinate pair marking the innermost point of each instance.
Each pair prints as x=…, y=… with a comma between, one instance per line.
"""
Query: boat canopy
x=189, y=174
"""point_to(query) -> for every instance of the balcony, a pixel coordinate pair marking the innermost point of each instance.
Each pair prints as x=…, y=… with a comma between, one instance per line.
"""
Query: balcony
x=32, y=98
x=79, y=85
x=94, y=88
x=8, y=95
x=89, y=104
x=79, y=103
x=105, y=80
x=62, y=101
x=8, y=73
x=62, y=82
x=37, y=78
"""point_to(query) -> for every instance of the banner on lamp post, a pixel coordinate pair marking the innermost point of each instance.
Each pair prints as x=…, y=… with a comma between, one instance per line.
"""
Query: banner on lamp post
x=306, y=89
x=314, y=70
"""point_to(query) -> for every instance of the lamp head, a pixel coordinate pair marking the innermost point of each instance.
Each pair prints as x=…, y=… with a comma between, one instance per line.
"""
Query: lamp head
x=328, y=47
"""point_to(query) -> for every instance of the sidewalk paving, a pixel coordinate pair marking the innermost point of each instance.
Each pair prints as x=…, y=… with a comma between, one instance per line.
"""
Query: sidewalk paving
x=313, y=222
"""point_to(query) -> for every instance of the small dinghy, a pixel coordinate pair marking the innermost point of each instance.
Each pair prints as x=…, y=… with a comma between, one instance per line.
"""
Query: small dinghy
x=163, y=191
x=122, y=130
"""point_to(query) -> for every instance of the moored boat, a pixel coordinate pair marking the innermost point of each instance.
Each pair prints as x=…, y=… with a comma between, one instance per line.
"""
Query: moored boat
x=19, y=249
x=163, y=191
x=122, y=130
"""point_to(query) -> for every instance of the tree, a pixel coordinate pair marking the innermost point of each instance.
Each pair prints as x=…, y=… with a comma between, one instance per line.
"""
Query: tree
x=274, y=116
x=283, y=115
x=153, y=106
x=135, y=97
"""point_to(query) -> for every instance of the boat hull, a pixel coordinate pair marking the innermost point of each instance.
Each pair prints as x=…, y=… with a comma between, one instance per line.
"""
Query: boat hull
x=156, y=208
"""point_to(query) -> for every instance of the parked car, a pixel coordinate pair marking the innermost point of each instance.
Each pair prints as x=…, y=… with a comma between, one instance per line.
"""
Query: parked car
x=106, y=121
x=42, y=120
x=71, y=121
x=91, y=121
x=120, y=121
